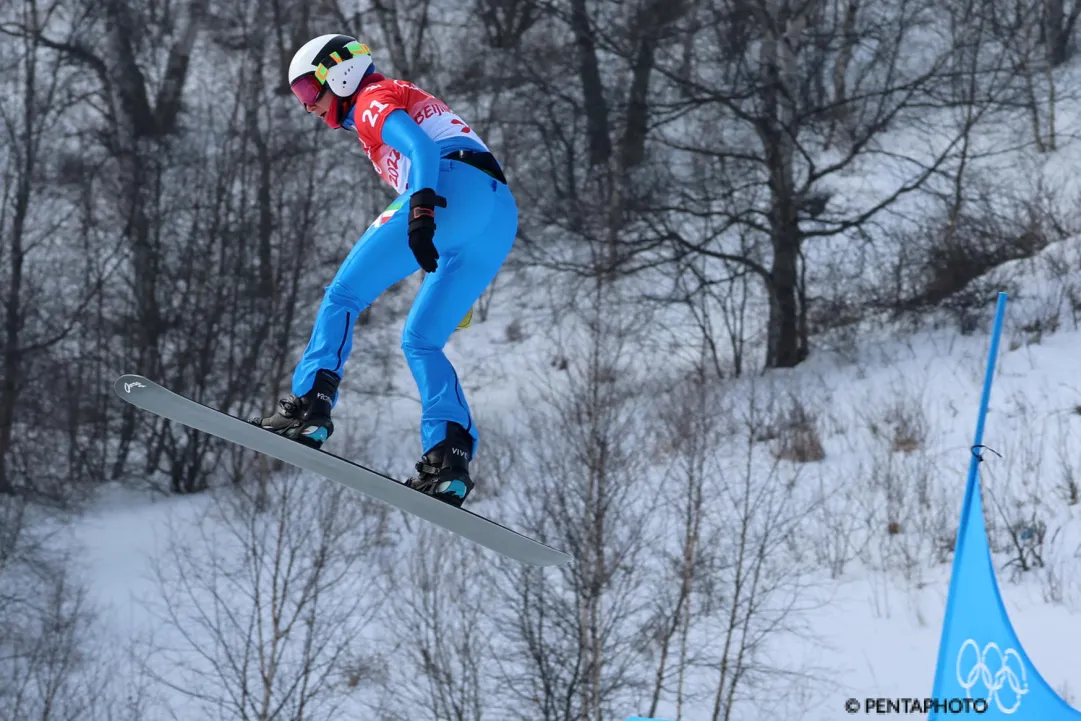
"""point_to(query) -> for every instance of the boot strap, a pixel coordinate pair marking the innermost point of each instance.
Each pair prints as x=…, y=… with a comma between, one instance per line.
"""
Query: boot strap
x=428, y=468
x=291, y=407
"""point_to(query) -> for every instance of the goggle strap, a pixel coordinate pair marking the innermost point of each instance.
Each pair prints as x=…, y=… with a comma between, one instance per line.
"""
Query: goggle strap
x=354, y=49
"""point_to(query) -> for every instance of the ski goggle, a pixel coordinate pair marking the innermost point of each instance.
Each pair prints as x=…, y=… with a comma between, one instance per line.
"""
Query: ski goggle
x=307, y=89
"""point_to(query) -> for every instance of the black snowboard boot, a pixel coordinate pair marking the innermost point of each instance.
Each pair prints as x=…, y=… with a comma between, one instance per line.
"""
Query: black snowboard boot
x=305, y=418
x=443, y=472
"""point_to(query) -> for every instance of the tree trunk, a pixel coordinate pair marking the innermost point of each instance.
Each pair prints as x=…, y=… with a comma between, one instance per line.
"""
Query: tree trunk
x=595, y=106
x=12, y=362
x=787, y=348
x=1058, y=26
x=849, y=39
x=777, y=129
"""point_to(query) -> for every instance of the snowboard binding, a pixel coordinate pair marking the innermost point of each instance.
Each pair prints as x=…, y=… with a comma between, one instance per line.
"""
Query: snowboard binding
x=306, y=418
x=443, y=472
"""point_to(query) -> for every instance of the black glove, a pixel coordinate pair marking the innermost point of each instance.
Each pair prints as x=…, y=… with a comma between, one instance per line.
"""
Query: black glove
x=422, y=227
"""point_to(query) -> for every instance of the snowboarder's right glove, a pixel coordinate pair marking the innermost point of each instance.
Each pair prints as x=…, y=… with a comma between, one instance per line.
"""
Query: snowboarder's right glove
x=422, y=227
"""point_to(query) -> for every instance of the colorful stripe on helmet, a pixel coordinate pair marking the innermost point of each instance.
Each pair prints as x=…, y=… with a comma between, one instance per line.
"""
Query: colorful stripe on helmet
x=354, y=49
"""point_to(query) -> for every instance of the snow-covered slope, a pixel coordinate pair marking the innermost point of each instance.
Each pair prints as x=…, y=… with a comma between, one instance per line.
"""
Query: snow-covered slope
x=875, y=619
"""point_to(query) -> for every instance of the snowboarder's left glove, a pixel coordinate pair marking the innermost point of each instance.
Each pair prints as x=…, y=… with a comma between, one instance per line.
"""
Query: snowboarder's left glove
x=422, y=227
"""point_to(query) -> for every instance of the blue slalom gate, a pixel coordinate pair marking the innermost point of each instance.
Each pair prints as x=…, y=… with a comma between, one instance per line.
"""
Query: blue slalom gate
x=982, y=669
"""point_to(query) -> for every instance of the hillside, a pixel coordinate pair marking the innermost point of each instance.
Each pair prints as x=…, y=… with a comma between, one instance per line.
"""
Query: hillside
x=868, y=613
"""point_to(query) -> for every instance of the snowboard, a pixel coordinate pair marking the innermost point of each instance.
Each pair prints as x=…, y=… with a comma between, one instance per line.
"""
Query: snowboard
x=154, y=398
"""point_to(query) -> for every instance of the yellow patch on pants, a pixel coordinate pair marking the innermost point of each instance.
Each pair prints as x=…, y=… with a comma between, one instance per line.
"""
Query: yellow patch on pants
x=467, y=321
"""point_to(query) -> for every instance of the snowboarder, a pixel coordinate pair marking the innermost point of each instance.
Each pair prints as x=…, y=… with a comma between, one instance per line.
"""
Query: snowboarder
x=455, y=218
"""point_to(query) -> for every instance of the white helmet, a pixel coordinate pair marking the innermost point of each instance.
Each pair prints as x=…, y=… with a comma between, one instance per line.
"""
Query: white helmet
x=338, y=62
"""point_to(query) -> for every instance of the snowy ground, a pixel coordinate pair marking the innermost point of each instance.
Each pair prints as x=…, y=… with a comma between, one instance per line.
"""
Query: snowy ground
x=878, y=632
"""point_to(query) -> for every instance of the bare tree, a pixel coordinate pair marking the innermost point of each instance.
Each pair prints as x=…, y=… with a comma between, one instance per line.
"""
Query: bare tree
x=217, y=209
x=781, y=145
x=262, y=604
x=1059, y=22
x=1020, y=30
x=443, y=616
x=758, y=583
x=572, y=637
x=578, y=122
x=34, y=218
x=690, y=435
x=53, y=652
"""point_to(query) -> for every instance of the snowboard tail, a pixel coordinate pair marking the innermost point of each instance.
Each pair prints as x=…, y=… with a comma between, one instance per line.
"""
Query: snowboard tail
x=155, y=398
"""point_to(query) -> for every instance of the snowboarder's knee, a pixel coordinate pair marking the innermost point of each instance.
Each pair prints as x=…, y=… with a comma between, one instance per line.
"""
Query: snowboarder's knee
x=417, y=343
x=340, y=295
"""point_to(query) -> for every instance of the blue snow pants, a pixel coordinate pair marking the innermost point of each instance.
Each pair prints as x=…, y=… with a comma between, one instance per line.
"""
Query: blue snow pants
x=474, y=235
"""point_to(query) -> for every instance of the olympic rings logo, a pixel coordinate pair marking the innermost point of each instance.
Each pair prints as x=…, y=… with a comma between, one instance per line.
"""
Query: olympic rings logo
x=992, y=669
